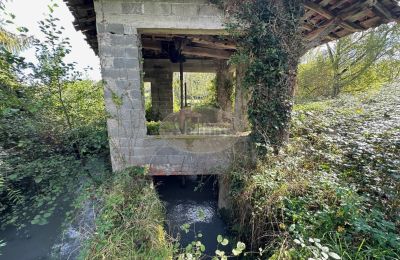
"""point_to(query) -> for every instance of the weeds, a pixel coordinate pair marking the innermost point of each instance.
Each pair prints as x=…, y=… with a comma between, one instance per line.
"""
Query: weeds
x=130, y=220
x=333, y=191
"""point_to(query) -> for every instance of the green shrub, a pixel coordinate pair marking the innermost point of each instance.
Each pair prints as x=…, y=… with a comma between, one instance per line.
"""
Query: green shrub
x=153, y=128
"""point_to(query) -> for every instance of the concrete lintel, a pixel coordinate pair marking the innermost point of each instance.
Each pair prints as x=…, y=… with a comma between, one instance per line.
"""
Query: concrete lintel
x=221, y=31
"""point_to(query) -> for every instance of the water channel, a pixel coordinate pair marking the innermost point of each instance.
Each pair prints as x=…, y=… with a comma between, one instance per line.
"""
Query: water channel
x=192, y=202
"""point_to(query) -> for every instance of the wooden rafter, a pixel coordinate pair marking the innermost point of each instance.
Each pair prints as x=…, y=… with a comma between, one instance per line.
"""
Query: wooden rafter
x=383, y=11
x=324, y=20
x=189, y=50
x=329, y=15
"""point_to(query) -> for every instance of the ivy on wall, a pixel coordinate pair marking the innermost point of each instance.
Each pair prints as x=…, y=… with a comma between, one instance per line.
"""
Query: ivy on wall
x=269, y=43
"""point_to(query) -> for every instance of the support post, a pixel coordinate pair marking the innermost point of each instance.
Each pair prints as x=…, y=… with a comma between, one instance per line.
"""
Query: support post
x=181, y=80
x=161, y=93
x=224, y=80
x=120, y=56
x=241, y=99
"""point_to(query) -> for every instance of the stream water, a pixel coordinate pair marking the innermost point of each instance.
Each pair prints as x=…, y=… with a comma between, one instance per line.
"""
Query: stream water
x=34, y=242
x=194, y=202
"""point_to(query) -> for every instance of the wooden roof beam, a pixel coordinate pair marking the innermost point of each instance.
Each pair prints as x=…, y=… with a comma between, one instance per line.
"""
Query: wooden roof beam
x=200, y=40
x=320, y=35
x=383, y=11
x=214, y=43
x=151, y=45
x=189, y=50
x=324, y=30
x=329, y=15
x=205, y=52
x=338, y=4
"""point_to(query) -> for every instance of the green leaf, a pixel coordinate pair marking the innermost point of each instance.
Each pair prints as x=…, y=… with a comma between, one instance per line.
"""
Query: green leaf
x=241, y=245
x=219, y=238
x=219, y=253
x=334, y=255
x=236, y=252
x=13, y=176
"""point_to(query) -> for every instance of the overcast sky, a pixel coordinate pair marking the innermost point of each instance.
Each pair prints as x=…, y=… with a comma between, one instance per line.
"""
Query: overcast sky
x=29, y=12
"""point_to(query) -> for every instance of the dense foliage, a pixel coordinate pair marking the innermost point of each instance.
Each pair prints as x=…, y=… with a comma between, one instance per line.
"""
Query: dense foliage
x=357, y=63
x=52, y=124
x=269, y=46
x=335, y=187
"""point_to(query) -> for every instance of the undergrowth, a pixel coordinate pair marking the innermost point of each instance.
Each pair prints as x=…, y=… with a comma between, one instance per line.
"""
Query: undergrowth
x=333, y=192
x=130, y=221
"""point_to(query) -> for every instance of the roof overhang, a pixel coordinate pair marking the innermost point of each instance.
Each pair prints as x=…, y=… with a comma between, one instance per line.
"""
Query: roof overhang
x=323, y=21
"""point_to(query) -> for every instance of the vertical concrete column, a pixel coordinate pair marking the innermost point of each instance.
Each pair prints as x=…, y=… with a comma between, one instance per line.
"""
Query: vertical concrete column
x=224, y=86
x=241, y=100
x=224, y=202
x=161, y=93
x=120, y=56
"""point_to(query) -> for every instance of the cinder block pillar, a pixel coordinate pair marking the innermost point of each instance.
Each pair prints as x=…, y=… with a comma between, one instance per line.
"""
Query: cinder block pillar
x=241, y=100
x=223, y=194
x=224, y=86
x=161, y=93
x=119, y=52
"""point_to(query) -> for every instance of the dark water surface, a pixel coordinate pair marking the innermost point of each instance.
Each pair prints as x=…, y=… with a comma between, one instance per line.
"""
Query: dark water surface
x=33, y=242
x=194, y=203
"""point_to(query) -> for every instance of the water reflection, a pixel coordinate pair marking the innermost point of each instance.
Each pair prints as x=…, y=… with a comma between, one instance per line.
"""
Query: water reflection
x=194, y=203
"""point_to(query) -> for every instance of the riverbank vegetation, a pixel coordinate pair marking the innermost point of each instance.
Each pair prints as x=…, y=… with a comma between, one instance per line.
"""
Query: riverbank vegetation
x=333, y=190
x=130, y=222
x=52, y=126
x=326, y=185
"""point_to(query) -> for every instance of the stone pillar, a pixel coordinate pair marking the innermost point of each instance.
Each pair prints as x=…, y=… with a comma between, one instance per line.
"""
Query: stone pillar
x=224, y=86
x=223, y=194
x=241, y=100
x=119, y=52
x=161, y=94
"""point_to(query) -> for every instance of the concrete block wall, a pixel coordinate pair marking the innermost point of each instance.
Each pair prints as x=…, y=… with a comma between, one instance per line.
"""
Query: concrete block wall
x=120, y=58
x=119, y=24
x=197, y=16
x=161, y=93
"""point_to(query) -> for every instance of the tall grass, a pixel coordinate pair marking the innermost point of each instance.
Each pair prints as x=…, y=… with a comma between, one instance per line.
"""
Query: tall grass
x=130, y=221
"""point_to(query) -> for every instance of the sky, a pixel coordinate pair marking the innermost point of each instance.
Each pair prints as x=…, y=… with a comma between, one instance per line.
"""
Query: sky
x=29, y=12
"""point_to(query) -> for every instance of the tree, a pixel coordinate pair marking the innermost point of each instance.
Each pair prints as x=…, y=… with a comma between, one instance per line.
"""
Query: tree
x=314, y=76
x=10, y=63
x=52, y=74
x=10, y=41
x=351, y=57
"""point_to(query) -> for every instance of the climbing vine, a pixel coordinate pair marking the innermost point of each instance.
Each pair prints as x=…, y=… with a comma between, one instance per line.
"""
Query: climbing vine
x=269, y=44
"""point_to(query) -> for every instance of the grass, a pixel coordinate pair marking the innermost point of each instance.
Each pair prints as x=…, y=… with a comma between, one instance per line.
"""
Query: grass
x=130, y=221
